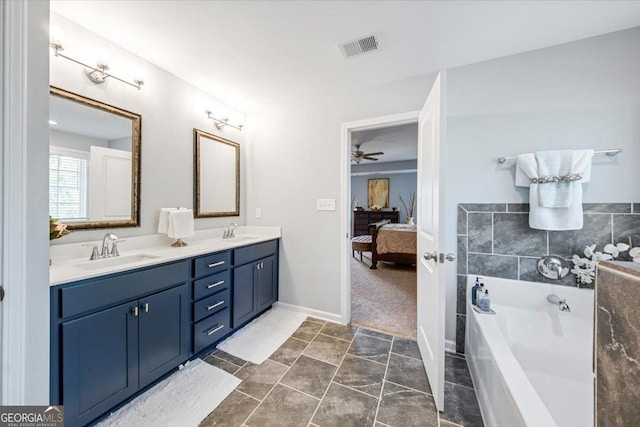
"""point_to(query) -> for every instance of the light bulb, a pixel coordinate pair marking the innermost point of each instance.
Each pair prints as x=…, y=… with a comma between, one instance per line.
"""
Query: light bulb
x=55, y=35
x=103, y=57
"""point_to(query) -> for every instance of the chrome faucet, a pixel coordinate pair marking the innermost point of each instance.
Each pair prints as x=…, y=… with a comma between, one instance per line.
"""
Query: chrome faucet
x=229, y=232
x=560, y=302
x=109, y=237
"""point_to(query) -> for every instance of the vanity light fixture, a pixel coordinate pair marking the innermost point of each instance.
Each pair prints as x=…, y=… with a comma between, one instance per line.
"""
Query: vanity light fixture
x=97, y=74
x=221, y=123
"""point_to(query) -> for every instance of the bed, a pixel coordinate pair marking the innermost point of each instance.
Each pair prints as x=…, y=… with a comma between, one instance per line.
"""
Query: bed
x=393, y=243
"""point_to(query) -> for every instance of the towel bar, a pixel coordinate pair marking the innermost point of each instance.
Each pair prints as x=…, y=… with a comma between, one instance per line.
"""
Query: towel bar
x=609, y=153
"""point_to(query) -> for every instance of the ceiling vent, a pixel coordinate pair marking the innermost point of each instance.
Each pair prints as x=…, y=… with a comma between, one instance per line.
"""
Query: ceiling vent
x=359, y=46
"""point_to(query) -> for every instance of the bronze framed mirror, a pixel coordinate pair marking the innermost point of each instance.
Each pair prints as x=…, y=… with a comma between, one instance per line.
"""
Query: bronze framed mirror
x=94, y=162
x=216, y=176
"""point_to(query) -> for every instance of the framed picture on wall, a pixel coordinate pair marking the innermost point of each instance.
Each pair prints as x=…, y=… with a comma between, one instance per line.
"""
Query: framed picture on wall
x=379, y=192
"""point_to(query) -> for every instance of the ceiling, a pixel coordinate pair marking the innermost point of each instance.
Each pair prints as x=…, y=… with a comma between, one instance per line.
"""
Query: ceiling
x=74, y=117
x=397, y=142
x=251, y=53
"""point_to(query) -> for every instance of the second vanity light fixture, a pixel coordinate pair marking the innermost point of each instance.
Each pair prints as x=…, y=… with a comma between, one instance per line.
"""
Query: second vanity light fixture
x=97, y=74
x=221, y=123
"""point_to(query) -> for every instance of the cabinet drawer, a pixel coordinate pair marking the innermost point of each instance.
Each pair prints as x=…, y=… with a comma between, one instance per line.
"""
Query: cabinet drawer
x=210, y=330
x=255, y=252
x=211, y=284
x=211, y=264
x=119, y=288
x=212, y=304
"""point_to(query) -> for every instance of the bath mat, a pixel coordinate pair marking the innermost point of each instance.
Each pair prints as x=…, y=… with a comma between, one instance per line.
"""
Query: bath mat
x=183, y=399
x=260, y=338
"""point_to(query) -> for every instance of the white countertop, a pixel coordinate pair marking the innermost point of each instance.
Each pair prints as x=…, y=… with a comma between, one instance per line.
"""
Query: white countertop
x=70, y=262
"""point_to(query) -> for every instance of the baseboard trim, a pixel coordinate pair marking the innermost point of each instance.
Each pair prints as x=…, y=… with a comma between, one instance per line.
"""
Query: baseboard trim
x=319, y=314
x=450, y=346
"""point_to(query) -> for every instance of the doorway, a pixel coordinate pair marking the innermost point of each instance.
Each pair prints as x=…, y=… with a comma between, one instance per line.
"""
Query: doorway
x=383, y=180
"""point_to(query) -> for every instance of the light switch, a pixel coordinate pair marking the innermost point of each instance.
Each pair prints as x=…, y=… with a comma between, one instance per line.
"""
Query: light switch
x=326, y=204
x=258, y=213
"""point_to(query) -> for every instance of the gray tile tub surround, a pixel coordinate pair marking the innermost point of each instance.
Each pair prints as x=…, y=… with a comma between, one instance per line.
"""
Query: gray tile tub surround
x=494, y=239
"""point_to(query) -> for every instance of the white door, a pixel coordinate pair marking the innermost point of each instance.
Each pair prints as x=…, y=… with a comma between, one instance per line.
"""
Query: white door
x=431, y=275
x=109, y=184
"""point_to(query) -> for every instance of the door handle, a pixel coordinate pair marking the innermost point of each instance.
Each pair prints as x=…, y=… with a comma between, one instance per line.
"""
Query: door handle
x=134, y=310
x=431, y=256
x=145, y=307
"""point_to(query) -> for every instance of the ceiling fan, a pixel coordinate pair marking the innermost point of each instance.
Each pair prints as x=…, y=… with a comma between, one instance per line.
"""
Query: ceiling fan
x=357, y=156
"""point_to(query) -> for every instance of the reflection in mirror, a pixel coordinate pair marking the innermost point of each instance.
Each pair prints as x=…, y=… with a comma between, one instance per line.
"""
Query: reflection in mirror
x=94, y=162
x=217, y=176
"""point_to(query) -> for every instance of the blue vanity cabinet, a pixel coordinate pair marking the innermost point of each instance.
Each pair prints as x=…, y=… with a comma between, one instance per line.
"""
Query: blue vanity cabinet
x=164, y=334
x=114, y=335
x=100, y=360
x=212, y=289
x=255, y=284
x=267, y=282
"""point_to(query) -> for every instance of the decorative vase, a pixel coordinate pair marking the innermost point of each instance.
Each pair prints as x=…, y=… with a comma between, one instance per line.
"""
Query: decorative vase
x=410, y=221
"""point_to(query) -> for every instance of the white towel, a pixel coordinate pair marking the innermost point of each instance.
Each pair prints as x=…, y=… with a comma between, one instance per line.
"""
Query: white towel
x=543, y=218
x=180, y=223
x=555, y=163
x=163, y=223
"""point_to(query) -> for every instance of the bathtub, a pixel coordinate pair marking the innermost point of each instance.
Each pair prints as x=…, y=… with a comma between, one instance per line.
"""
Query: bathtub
x=531, y=364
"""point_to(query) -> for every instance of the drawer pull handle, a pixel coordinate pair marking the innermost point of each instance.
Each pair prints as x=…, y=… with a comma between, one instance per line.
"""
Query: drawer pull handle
x=218, y=304
x=216, y=264
x=213, y=285
x=213, y=331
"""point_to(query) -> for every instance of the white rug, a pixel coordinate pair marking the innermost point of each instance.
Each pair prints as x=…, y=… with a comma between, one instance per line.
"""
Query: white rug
x=183, y=399
x=260, y=338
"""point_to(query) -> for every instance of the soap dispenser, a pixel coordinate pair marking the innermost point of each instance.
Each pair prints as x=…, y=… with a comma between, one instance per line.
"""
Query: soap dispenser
x=474, y=291
x=485, y=301
x=479, y=293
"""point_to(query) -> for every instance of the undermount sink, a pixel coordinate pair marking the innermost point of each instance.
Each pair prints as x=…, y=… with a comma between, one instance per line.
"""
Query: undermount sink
x=112, y=262
x=240, y=238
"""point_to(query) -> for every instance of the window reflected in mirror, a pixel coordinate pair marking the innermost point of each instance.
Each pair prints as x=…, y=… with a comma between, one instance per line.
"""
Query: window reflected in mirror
x=94, y=162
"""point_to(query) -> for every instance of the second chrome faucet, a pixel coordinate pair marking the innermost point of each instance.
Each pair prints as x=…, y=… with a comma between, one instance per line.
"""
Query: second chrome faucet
x=229, y=232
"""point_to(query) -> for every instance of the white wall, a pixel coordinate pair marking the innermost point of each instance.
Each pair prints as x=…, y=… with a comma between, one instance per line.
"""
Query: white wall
x=170, y=109
x=400, y=184
x=294, y=158
x=75, y=141
x=584, y=94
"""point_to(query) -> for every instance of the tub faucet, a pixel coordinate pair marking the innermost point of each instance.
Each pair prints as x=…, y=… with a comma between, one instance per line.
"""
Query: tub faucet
x=560, y=302
x=229, y=232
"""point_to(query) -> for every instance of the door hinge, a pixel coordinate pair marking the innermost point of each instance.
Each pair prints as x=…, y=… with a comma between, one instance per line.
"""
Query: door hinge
x=1, y=293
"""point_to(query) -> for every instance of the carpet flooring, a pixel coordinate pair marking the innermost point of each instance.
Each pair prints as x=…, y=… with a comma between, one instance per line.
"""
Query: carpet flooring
x=384, y=299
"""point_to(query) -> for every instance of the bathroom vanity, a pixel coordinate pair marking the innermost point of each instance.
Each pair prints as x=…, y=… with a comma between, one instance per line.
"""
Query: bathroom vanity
x=115, y=334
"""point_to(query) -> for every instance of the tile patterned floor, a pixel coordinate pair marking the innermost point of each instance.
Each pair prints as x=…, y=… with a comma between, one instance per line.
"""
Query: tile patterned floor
x=332, y=375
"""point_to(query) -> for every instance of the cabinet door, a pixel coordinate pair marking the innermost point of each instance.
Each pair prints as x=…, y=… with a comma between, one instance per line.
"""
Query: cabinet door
x=266, y=282
x=99, y=362
x=164, y=332
x=244, y=296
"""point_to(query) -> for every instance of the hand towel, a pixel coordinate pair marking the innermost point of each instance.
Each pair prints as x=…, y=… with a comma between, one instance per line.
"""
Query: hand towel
x=555, y=163
x=180, y=223
x=163, y=222
x=543, y=218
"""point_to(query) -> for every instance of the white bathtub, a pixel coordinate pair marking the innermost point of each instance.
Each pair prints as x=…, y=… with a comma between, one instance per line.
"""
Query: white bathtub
x=531, y=364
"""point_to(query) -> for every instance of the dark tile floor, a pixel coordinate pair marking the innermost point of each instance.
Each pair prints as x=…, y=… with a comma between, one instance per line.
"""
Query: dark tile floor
x=334, y=375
